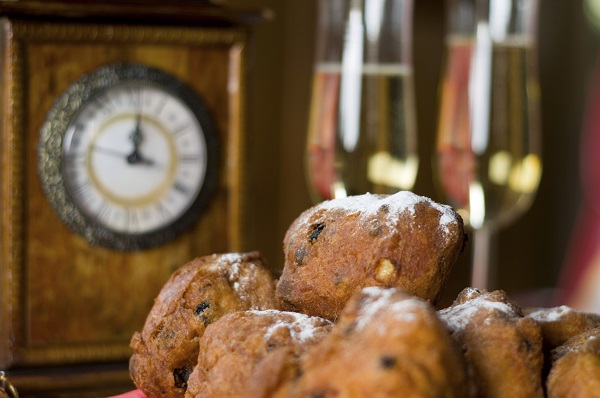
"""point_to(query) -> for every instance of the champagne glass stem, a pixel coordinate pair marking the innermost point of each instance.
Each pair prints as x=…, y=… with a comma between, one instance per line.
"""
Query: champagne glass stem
x=480, y=273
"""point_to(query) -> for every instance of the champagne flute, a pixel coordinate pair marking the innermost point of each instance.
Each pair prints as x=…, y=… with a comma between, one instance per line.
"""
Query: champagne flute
x=488, y=139
x=362, y=130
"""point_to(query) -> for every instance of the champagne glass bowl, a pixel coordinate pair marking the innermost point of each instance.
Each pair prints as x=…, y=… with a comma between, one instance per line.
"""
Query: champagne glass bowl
x=362, y=128
x=488, y=147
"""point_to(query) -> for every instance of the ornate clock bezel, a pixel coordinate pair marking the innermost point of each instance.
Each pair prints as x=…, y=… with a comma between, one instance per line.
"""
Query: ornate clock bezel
x=50, y=153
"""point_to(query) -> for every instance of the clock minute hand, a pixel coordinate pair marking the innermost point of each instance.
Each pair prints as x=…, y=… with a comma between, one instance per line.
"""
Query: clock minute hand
x=136, y=138
x=134, y=157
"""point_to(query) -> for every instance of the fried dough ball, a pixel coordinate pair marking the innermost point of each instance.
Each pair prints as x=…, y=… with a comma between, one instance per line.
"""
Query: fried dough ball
x=575, y=369
x=334, y=249
x=503, y=349
x=560, y=324
x=387, y=343
x=197, y=294
x=252, y=353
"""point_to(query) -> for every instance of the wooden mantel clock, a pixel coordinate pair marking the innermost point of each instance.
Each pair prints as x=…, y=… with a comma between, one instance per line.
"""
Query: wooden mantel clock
x=122, y=153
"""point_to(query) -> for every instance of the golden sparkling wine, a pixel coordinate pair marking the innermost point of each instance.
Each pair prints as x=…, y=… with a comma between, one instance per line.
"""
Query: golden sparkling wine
x=488, y=158
x=362, y=132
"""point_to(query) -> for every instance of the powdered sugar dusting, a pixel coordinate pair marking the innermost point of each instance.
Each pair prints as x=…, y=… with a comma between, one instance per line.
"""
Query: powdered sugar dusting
x=240, y=272
x=230, y=257
x=236, y=277
x=470, y=292
x=381, y=299
x=550, y=314
x=369, y=205
x=302, y=328
x=457, y=317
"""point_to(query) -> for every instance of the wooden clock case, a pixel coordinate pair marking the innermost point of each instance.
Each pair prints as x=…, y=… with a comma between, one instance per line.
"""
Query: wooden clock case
x=68, y=308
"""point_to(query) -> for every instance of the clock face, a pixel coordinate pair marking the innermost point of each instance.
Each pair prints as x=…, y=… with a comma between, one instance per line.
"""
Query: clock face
x=137, y=157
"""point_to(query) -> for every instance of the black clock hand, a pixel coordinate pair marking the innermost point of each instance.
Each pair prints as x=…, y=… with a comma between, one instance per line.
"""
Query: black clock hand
x=108, y=151
x=136, y=137
x=135, y=157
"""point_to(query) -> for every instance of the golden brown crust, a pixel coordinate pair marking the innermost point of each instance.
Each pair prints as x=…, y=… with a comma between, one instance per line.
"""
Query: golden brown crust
x=197, y=294
x=585, y=341
x=387, y=343
x=252, y=353
x=272, y=375
x=503, y=349
x=575, y=370
x=338, y=247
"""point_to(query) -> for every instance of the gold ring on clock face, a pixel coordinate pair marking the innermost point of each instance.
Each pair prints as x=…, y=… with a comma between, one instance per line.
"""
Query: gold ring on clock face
x=128, y=157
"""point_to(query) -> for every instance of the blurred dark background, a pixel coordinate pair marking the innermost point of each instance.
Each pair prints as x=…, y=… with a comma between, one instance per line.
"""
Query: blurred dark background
x=531, y=252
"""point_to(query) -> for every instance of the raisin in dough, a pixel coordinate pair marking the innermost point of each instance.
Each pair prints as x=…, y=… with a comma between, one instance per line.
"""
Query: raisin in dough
x=336, y=248
x=166, y=350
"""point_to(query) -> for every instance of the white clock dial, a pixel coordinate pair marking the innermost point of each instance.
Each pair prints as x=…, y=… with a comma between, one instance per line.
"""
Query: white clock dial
x=135, y=156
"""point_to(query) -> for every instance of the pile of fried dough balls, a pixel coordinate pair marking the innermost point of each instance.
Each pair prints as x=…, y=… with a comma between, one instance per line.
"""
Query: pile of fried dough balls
x=353, y=315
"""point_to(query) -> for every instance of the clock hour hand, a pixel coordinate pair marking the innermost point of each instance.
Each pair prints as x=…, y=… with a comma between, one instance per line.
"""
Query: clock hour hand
x=108, y=151
x=133, y=158
x=136, y=157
